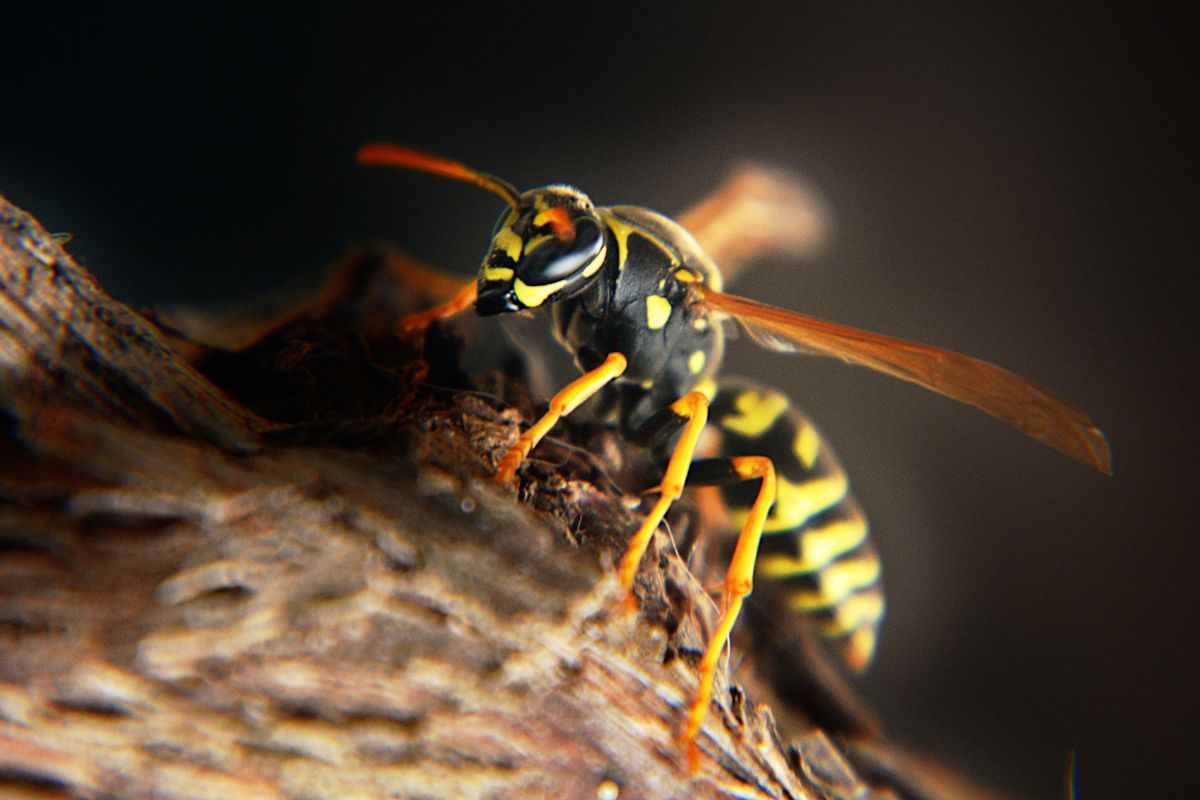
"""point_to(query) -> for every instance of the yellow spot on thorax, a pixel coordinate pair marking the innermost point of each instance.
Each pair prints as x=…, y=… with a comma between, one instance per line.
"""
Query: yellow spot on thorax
x=696, y=362
x=658, y=311
x=700, y=323
x=806, y=445
x=756, y=413
x=686, y=276
x=497, y=273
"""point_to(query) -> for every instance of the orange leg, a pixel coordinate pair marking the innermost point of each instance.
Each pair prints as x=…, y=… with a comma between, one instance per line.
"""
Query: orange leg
x=563, y=403
x=739, y=582
x=414, y=325
x=694, y=407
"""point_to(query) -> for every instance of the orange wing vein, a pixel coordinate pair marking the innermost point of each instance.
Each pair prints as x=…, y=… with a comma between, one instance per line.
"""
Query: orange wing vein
x=991, y=389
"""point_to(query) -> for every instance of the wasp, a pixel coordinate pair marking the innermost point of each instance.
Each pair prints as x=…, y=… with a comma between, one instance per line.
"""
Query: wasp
x=640, y=306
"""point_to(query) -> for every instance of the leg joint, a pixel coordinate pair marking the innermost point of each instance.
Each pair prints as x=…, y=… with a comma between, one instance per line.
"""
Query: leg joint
x=753, y=466
x=739, y=585
x=690, y=404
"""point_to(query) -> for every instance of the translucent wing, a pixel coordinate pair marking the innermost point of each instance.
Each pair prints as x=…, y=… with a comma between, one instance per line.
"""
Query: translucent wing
x=758, y=211
x=989, y=388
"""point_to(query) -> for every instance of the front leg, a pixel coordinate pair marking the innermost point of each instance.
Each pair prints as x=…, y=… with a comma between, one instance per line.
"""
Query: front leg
x=739, y=580
x=414, y=326
x=563, y=403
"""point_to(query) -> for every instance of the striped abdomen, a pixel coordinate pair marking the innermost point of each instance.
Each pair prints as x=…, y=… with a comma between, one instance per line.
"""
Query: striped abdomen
x=815, y=541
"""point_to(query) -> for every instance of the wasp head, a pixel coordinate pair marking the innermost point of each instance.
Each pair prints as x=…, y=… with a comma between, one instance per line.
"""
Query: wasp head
x=546, y=248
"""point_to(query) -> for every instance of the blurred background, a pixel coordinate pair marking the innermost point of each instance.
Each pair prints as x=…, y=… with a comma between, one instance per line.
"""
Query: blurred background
x=1002, y=183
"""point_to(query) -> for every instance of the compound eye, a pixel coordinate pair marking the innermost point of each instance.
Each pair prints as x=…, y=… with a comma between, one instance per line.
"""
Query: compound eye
x=550, y=263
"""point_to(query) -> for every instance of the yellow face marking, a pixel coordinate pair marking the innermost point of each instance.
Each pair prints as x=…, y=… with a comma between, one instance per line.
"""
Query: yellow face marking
x=534, y=296
x=508, y=243
x=497, y=273
x=596, y=263
x=658, y=311
x=536, y=242
x=686, y=276
x=796, y=503
x=816, y=548
x=700, y=323
x=707, y=387
x=696, y=362
x=756, y=413
x=806, y=445
x=838, y=582
x=622, y=230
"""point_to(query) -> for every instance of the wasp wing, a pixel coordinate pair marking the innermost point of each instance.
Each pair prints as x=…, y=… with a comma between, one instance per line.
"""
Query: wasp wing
x=758, y=211
x=991, y=389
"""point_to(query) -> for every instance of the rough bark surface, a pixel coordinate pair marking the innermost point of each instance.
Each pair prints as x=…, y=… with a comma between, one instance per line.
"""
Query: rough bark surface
x=283, y=572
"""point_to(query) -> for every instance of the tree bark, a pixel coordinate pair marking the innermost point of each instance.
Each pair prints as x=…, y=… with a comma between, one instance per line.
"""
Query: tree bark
x=282, y=571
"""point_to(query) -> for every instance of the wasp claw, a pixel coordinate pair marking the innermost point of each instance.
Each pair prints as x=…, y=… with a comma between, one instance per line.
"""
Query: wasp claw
x=693, y=756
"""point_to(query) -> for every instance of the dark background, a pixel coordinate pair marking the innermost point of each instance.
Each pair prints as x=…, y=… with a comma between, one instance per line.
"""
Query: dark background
x=1008, y=184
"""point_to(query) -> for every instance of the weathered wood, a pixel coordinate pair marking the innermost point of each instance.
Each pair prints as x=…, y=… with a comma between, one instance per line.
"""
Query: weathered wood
x=196, y=602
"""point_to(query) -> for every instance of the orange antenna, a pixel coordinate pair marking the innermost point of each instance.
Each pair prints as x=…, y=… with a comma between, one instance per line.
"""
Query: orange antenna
x=391, y=155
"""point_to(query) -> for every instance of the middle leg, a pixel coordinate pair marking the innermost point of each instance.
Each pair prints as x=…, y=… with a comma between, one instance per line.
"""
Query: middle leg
x=692, y=408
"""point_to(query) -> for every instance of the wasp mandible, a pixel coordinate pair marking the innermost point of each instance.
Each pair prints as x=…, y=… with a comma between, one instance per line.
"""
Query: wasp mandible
x=639, y=304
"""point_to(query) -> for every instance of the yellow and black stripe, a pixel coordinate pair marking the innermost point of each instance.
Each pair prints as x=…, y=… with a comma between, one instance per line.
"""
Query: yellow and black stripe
x=815, y=540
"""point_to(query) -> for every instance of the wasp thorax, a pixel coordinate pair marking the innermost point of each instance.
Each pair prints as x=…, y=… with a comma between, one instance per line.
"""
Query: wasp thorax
x=547, y=248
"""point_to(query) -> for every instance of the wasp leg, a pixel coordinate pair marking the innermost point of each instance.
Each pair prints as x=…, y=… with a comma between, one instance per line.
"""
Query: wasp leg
x=694, y=408
x=415, y=325
x=739, y=581
x=563, y=403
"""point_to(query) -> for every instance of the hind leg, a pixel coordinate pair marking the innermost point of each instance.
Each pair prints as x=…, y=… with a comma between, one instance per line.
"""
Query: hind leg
x=739, y=579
